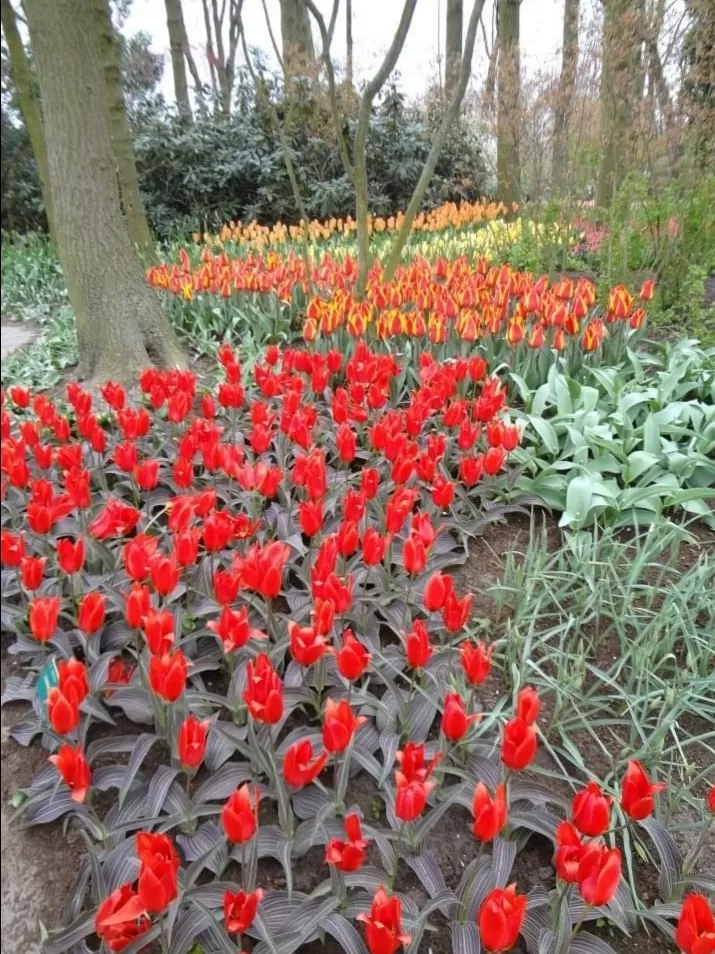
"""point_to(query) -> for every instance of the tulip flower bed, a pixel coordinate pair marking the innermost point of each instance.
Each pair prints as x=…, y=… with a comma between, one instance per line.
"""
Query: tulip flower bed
x=260, y=578
x=516, y=318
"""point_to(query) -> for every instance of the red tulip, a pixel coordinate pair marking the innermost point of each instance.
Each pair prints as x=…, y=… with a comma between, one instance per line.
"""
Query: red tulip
x=528, y=705
x=373, y=547
x=91, y=614
x=63, y=713
x=116, y=519
x=348, y=855
x=299, y=766
x=383, y=925
x=412, y=781
x=126, y=456
x=164, y=573
x=476, y=660
x=637, y=792
x=323, y=616
x=494, y=460
x=306, y=645
x=501, y=917
x=352, y=658
x=437, y=589
x=569, y=853
x=31, y=571
x=455, y=612
x=399, y=506
x=455, y=720
x=264, y=691
x=43, y=614
x=599, y=887
x=414, y=555
x=137, y=554
x=137, y=605
x=348, y=538
x=167, y=675
x=442, y=492
x=339, y=725
x=19, y=396
x=417, y=646
x=518, y=745
x=186, y=546
x=239, y=910
x=120, y=674
x=192, y=741
x=158, y=626
x=226, y=584
x=310, y=515
x=695, y=931
x=234, y=629
x=711, y=799
x=152, y=847
x=239, y=816
x=13, y=548
x=74, y=769
x=72, y=680
x=120, y=919
x=346, y=443
x=70, y=556
x=370, y=482
x=591, y=810
x=647, y=289
x=146, y=474
x=262, y=568
x=489, y=813
x=160, y=863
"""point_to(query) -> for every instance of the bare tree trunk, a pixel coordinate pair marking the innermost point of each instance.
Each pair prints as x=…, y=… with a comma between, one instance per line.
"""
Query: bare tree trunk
x=296, y=36
x=120, y=131
x=450, y=115
x=564, y=95
x=621, y=55
x=453, y=46
x=29, y=106
x=508, y=116
x=177, y=39
x=120, y=326
x=349, y=42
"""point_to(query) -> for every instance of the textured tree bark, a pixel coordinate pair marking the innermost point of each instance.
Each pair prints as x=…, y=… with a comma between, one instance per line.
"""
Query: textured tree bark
x=120, y=326
x=564, y=96
x=619, y=82
x=296, y=36
x=119, y=126
x=453, y=46
x=508, y=121
x=177, y=40
x=29, y=107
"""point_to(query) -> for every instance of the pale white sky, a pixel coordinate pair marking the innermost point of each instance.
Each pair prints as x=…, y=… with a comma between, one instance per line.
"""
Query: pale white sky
x=374, y=22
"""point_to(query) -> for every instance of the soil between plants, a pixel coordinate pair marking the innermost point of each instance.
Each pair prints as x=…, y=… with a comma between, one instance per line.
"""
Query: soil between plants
x=38, y=865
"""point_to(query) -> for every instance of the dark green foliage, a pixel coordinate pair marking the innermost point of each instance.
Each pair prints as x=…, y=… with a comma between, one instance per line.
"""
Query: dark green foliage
x=221, y=169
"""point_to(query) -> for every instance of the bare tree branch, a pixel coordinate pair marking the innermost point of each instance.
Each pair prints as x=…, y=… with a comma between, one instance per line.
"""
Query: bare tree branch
x=333, y=19
x=272, y=35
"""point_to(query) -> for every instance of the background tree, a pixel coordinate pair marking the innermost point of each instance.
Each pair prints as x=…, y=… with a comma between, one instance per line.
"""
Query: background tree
x=296, y=36
x=564, y=95
x=508, y=101
x=177, y=41
x=121, y=134
x=27, y=101
x=120, y=325
x=349, y=77
x=621, y=88
x=453, y=45
x=223, y=28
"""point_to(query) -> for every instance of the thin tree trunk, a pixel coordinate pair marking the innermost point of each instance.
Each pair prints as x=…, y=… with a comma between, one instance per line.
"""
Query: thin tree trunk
x=349, y=76
x=621, y=54
x=564, y=95
x=508, y=118
x=296, y=36
x=177, y=35
x=450, y=115
x=29, y=106
x=120, y=131
x=120, y=325
x=453, y=46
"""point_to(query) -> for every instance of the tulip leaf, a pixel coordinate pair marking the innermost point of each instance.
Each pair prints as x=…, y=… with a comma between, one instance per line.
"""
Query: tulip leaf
x=219, y=786
x=465, y=938
x=671, y=861
x=344, y=933
x=503, y=858
x=62, y=941
x=585, y=943
x=142, y=747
